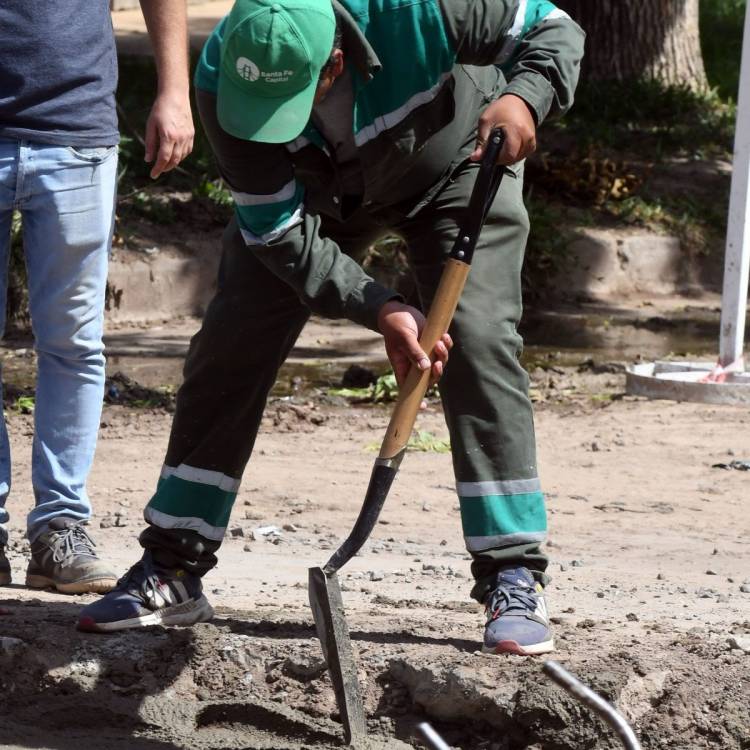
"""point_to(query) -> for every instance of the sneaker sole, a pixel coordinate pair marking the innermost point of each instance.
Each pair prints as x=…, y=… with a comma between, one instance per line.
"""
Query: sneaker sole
x=187, y=613
x=92, y=586
x=513, y=647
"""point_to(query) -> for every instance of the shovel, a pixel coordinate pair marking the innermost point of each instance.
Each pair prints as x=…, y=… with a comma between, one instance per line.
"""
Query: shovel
x=323, y=584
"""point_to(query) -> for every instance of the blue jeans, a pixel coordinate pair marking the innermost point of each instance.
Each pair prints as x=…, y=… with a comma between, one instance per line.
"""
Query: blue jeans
x=66, y=200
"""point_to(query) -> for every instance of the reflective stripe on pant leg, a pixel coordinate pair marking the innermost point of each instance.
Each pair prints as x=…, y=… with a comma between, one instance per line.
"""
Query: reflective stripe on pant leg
x=485, y=388
x=501, y=514
x=195, y=499
x=248, y=330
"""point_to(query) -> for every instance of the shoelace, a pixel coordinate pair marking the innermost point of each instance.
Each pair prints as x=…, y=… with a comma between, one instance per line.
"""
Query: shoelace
x=141, y=579
x=71, y=541
x=511, y=596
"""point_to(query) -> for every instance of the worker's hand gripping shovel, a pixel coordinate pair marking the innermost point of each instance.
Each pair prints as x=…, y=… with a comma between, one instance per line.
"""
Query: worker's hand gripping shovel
x=324, y=590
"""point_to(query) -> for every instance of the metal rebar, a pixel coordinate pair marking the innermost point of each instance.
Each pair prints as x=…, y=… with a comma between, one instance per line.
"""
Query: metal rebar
x=595, y=702
x=430, y=737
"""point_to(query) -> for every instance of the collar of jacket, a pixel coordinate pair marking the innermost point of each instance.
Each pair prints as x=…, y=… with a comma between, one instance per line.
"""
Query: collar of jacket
x=356, y=47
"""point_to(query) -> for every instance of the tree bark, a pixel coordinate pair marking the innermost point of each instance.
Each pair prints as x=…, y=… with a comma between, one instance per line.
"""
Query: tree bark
x=641, y=39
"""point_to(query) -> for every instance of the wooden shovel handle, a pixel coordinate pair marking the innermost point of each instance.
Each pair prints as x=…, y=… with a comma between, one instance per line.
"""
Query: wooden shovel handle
x=412, y=392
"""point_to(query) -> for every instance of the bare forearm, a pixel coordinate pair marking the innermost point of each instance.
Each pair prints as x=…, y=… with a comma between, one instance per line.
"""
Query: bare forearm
x=169, y=129
x=166, y=21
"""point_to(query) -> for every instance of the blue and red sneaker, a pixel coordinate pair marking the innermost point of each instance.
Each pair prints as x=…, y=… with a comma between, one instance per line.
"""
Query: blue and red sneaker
x=146, y=595
x=517, y=621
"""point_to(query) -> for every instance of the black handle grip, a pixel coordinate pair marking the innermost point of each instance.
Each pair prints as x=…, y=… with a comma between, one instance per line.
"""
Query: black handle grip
x=485, y=189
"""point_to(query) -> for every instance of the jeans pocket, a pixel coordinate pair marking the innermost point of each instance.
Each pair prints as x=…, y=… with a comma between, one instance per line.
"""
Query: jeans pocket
x=92, y=155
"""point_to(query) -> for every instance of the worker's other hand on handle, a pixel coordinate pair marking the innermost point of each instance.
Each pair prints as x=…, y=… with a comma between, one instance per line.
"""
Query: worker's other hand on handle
x=512, y=114
x=401, y=326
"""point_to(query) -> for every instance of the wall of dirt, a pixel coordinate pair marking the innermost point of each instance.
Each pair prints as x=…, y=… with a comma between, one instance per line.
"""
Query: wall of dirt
x=259, y=681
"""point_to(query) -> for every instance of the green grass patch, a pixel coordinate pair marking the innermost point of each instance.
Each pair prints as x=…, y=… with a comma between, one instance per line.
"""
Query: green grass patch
x=648, y=119
x=25, y=404
x=722, y=23
x=425, y=441
x=383, y=390
x=422, y=441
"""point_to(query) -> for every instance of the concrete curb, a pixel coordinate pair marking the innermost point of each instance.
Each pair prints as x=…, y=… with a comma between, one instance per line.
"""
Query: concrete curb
x=160, y=284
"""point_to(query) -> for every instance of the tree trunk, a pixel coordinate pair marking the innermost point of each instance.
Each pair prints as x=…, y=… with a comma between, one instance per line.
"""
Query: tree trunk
x=641, y=39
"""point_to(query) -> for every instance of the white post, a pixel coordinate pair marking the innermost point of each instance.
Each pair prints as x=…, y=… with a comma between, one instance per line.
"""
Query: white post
x=737, y=260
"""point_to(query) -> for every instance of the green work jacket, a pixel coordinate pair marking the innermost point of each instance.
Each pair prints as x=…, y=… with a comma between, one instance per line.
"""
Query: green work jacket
x=422, y=72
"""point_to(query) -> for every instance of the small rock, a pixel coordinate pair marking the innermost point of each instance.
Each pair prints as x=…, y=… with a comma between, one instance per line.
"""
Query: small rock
x=660, y=576
x=703, y=593
x=236, y=531
x=745, y=588
x=631, y=617
x=722, y=599
x=376, y=575
x=741, y=642
x=563, y=567
x=290, y=527
x=107, y=523
x=306, y=668
x=11, y=646
x=262, y=531
x=247, y=548
x=710, y=572
x=234, y=655
x=576, y=563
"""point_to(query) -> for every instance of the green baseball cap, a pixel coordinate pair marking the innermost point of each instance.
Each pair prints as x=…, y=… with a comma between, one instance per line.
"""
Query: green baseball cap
x=271, y=57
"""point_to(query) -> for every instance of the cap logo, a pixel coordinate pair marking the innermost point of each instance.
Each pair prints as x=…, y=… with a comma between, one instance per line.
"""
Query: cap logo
x=247, y=69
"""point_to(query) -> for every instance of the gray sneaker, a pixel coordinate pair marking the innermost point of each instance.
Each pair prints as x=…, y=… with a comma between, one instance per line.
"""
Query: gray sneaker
x=4, y=568
x=517, y=621
x=63, y=557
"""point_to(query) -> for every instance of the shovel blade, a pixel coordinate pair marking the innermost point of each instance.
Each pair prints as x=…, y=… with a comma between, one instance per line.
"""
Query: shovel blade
x=330, y=623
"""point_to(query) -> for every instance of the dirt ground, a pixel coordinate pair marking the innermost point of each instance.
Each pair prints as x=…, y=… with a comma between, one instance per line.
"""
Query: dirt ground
x=650, y=593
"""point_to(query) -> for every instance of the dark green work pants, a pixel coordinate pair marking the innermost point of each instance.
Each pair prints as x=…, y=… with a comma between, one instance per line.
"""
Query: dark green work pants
x=252, y=324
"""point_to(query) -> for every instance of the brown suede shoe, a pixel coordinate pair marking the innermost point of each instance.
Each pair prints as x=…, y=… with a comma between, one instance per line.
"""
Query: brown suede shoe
x=63, y=558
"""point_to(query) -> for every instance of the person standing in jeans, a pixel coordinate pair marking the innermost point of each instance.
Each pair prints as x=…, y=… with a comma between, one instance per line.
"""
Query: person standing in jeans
x=58, y=169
